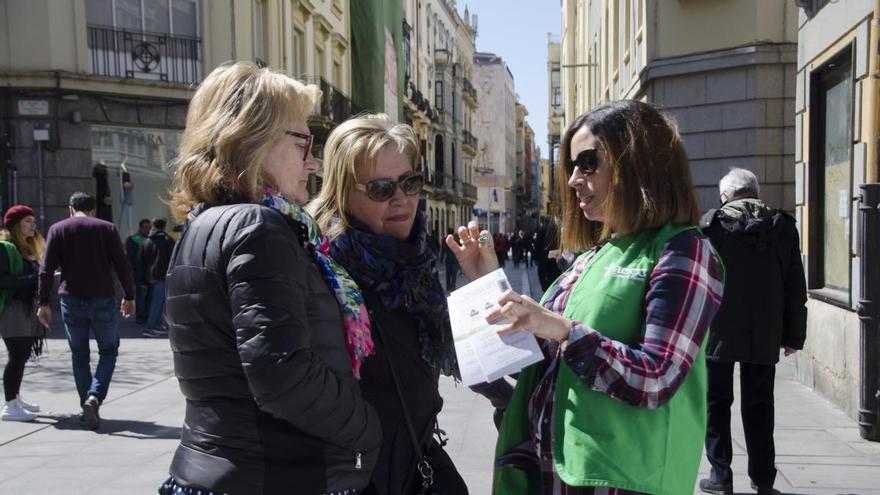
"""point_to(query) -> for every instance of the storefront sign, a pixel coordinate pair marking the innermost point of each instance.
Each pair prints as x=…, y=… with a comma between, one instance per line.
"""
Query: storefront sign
x=33, y=107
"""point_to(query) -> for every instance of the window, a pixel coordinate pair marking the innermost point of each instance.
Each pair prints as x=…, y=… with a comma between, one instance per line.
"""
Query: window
x=438, y=95
x=260, y=36
x=407, y=63
x=555, y=89
x=830, y=180
x=176, y=17
x=298, y=54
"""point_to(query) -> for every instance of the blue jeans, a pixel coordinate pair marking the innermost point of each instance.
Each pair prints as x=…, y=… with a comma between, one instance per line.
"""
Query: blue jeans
x=155, y=304
x=97, y=315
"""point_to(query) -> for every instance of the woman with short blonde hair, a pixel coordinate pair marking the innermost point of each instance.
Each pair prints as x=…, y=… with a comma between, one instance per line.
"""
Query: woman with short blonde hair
x=354, y=145
x=232, y=122
x=268, y=332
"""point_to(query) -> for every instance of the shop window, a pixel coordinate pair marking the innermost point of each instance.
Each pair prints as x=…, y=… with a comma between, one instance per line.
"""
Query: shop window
x=830, y=180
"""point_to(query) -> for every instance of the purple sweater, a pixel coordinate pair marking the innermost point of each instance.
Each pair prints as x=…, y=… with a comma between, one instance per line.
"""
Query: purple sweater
x=87, y=250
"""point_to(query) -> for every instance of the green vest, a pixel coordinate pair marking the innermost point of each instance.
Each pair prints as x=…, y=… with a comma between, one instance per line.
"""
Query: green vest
x=16, y=265
x=597, y=440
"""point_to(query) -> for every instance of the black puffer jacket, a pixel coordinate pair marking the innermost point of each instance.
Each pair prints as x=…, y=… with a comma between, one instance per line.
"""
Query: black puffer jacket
x=156, y=256
x=396, y=338
x=764, y=289
x=271, y=403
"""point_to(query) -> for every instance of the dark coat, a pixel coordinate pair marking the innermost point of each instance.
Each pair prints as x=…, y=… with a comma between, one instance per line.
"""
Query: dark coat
x=156, y=255
x=764, y=291
x=395, y=471
x=259, y=349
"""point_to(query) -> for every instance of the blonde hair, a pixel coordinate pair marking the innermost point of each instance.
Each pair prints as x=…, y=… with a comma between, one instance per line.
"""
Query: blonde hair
x=27, y=246
x=353, y=145
x=236, y=115
x=651, y=183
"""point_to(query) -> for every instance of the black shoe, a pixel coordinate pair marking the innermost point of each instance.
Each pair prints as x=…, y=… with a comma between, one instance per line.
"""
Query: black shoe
x=765, y=490
x=90, y=415
x=709, y=486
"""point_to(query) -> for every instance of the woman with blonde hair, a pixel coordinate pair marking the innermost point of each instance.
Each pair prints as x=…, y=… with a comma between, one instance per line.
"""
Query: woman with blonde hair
x=268, y=333
x=22, y=250
x=619, y=405
x=368, y=205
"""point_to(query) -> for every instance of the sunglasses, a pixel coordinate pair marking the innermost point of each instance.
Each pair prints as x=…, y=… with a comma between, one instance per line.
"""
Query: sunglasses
x=310, y=139
x=587, y=162
x=382, y=189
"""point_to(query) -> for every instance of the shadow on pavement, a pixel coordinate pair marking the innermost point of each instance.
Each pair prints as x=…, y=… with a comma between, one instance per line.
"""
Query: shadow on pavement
x=140, y=430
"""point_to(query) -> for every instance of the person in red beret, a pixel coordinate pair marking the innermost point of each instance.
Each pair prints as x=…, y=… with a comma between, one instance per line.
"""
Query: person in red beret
x=22, y=250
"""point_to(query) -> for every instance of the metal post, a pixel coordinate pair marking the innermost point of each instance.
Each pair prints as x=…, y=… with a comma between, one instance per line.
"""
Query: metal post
x=869, y=313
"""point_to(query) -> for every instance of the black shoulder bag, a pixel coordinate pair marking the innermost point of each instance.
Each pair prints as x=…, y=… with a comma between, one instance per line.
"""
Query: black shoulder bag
x=435, y=454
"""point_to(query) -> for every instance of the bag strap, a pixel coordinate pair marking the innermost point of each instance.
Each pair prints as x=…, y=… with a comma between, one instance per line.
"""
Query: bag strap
x=425, y=470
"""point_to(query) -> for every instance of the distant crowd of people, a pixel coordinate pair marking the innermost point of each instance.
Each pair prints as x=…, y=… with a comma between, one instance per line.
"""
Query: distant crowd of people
x=309, y=336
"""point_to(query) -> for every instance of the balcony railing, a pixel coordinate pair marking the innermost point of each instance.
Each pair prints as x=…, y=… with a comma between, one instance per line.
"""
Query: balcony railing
x=469, y=139
x=469, y=191
x=144, y=55
x=334, y=104
x=469, y=89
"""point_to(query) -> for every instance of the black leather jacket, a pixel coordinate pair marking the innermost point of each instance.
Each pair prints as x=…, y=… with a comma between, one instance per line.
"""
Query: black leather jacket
x=259, y=350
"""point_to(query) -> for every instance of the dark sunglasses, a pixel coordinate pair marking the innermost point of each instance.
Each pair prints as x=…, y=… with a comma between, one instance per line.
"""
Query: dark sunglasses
x=310, y=139
x=587, y=162
x=383, y=189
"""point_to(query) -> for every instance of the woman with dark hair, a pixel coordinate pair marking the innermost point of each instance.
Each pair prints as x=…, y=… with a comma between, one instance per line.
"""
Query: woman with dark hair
x=21, y=249
x=619, y=404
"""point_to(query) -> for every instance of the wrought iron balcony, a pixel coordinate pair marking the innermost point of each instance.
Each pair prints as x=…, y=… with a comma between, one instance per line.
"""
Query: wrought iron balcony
x=469, y=91
x=334, y=106
x=144, y=55
x=469, y=191
x=469, y=139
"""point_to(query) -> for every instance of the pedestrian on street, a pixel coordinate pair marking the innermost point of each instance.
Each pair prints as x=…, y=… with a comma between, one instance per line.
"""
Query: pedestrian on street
x=619, y=405
x=450, y=264
x=88, y=251
x=22, y=250
x=763, y=310
x=156, y=256
x=546, y=240
x=368, y=206
x=134, y=249
x=501, y=247
x=268, y=333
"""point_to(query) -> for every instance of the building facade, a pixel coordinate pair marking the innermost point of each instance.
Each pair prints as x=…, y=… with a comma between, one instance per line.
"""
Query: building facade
x=555, y=122
x=94, y=92
x=732, y=96
x=495, y=123
x=836, y=116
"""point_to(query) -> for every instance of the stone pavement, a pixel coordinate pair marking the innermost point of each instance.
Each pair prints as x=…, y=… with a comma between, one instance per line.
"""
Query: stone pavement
x=818, y=447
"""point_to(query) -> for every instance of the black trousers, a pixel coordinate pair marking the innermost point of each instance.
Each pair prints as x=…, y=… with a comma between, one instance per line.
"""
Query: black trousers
x=19, y=349
x=756, y=387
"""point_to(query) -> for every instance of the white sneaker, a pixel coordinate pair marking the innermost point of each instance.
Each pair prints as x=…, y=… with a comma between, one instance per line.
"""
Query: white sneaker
x=27, y=405
x=12, y=411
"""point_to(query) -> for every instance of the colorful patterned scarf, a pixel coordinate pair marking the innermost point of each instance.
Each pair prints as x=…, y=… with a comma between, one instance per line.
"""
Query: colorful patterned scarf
x=358, y=338
x=402, y=274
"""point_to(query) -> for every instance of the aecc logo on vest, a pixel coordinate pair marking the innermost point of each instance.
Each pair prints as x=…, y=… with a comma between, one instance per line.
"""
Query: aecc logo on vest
x=617, y=271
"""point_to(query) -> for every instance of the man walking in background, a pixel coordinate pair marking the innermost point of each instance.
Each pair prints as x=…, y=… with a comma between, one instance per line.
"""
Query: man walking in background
x=763, y=310
x=88, y=251
x=157, y=254
x=134, y=249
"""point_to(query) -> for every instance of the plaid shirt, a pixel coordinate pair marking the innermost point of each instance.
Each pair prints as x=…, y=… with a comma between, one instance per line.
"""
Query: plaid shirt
x=684, y=293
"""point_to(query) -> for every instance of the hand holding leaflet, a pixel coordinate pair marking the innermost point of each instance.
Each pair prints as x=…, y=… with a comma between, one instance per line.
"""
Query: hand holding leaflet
x=483, y=354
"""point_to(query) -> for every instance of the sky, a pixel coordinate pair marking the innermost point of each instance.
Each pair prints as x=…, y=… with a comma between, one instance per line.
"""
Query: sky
x=517, y=31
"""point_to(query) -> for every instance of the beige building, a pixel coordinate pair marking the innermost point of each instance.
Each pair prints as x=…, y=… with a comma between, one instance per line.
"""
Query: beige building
x=731, y=90
x=555, y=122
x=495, y=125
x=105, y=84
x=836, y=117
